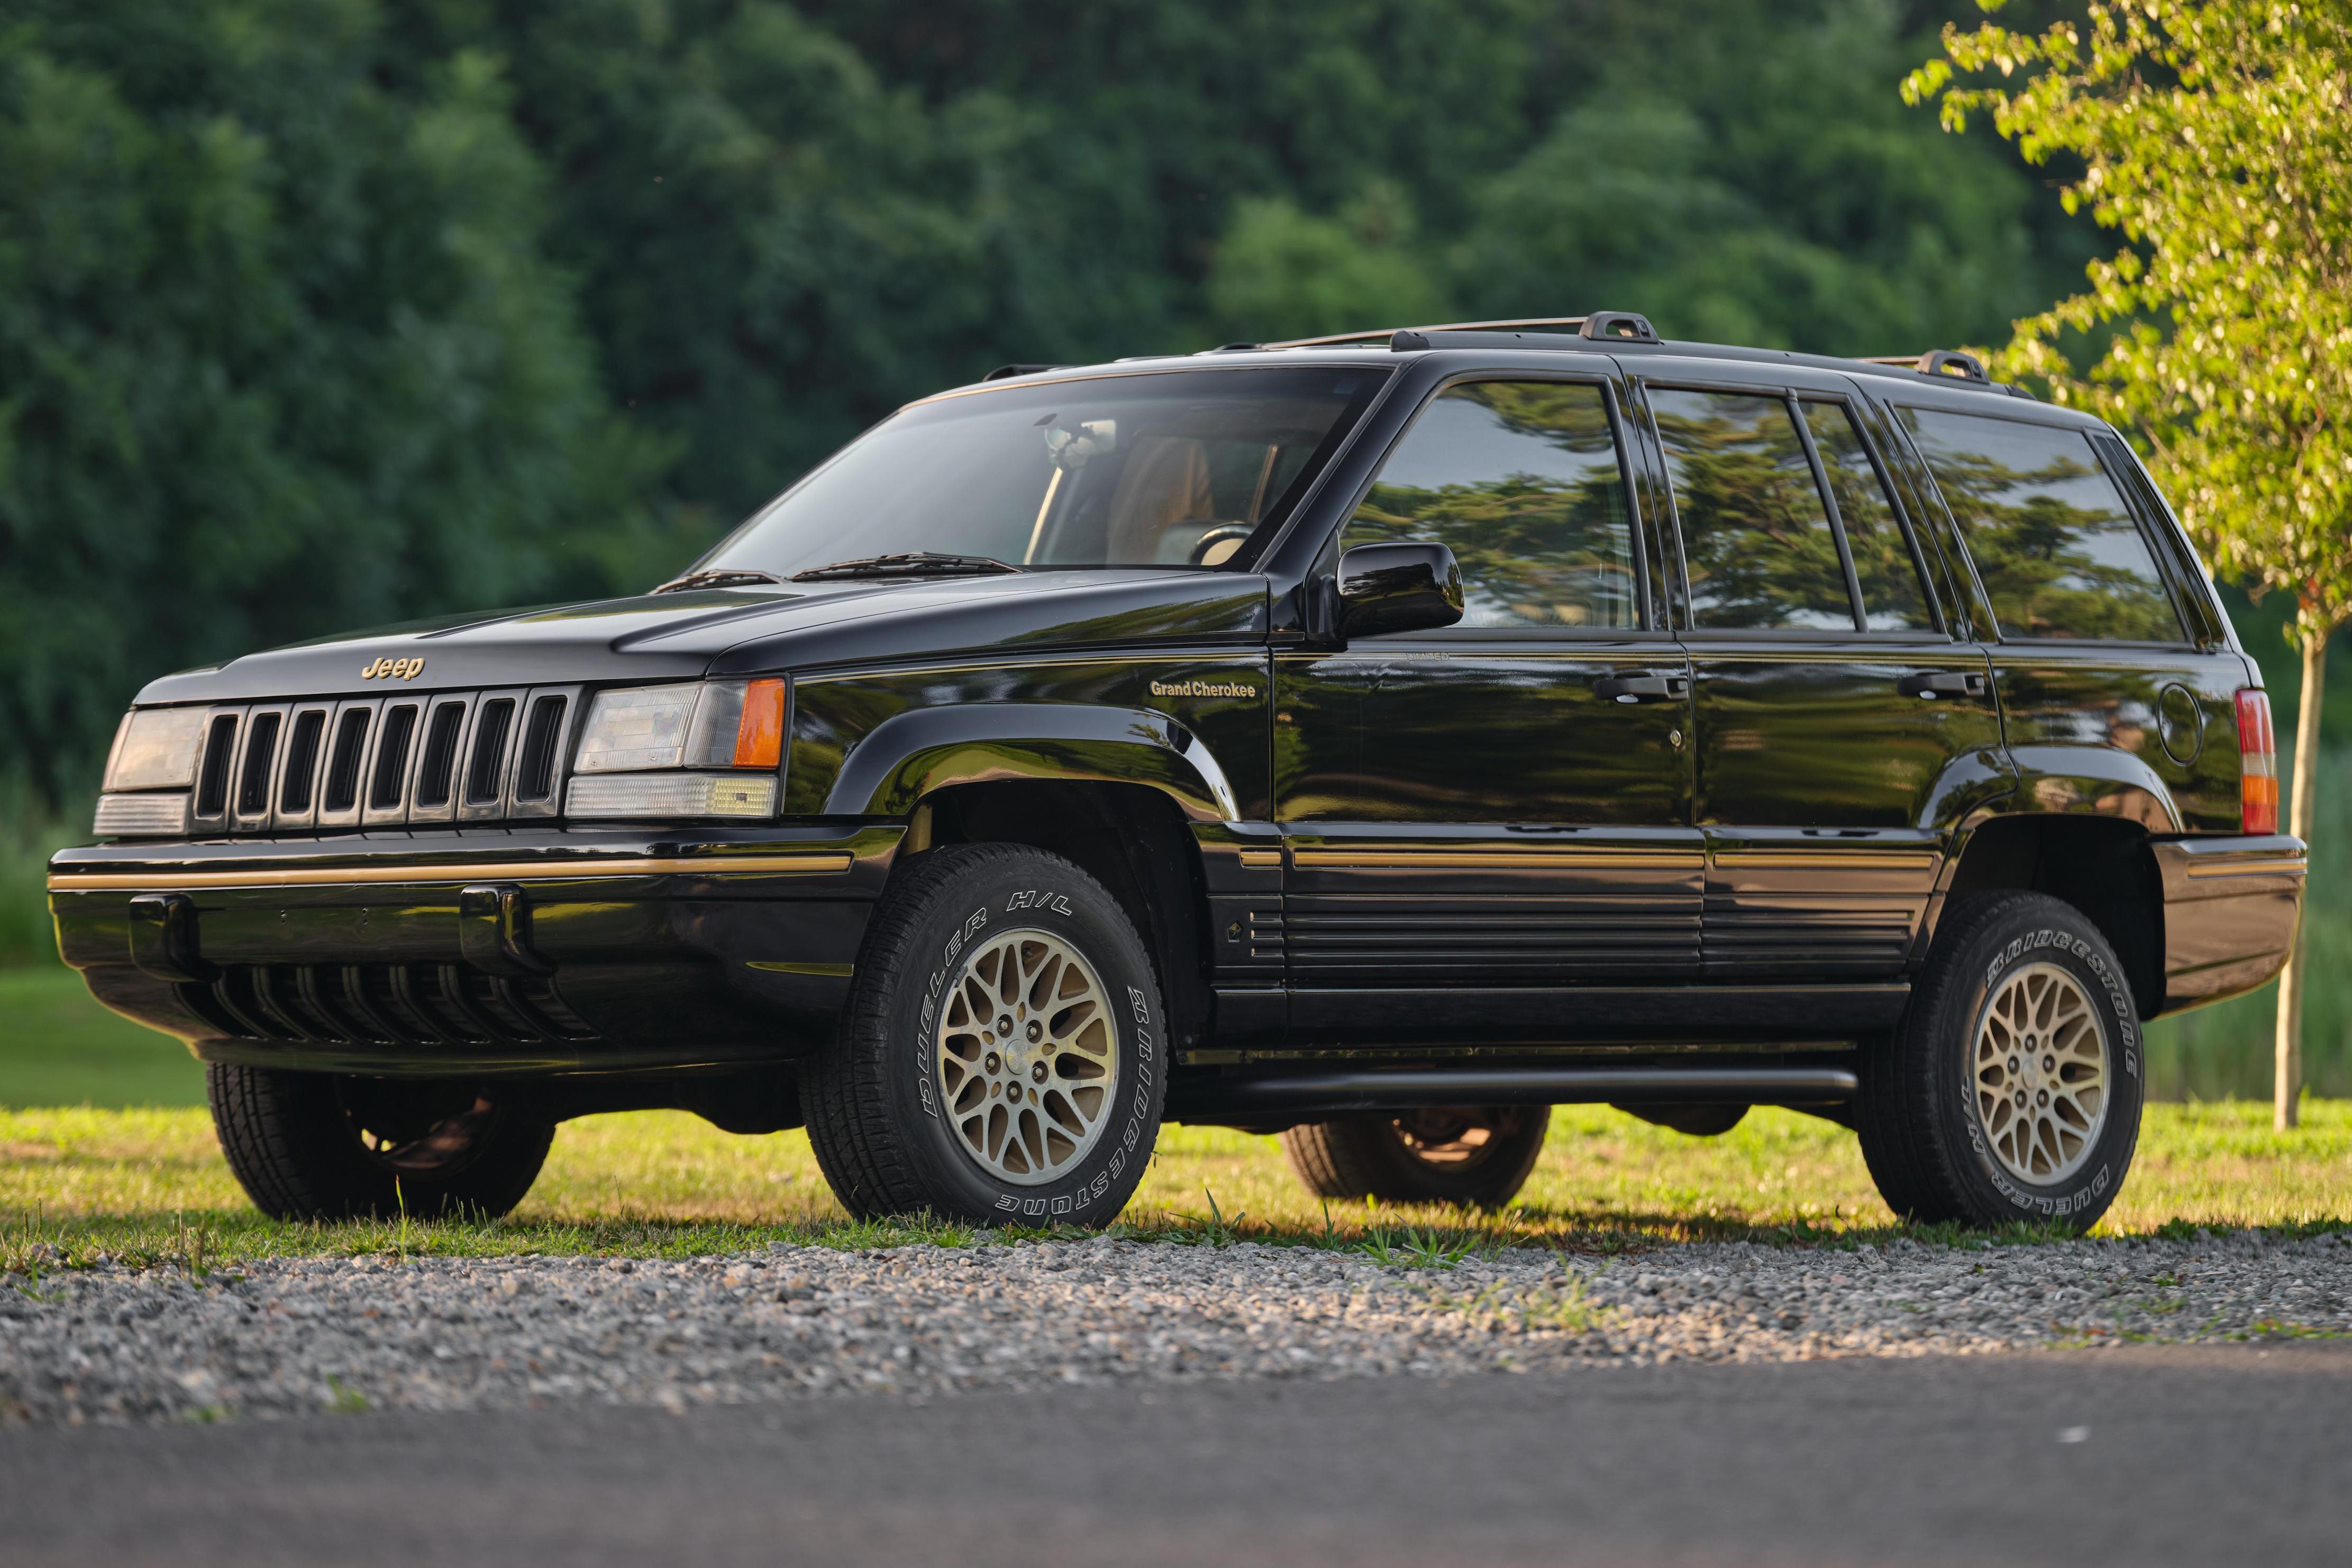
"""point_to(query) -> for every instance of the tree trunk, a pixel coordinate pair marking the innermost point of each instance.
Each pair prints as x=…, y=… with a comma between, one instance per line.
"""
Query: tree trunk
x=2287, y=1084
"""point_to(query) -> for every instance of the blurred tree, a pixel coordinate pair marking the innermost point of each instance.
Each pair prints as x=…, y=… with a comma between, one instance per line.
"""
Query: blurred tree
x=2216, y=135
x=1281, y=273
x=278, y=354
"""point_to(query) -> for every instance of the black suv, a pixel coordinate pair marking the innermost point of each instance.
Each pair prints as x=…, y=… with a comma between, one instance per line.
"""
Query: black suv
x=1374, y=741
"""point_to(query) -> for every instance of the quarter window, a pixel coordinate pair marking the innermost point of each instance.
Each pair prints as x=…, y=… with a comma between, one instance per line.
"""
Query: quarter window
x=1520, y=479
x=1756, y=540
x=2059, y=552
x=1893, y=598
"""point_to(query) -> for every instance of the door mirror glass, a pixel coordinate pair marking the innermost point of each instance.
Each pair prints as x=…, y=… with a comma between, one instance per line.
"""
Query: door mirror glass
x=1389, y=588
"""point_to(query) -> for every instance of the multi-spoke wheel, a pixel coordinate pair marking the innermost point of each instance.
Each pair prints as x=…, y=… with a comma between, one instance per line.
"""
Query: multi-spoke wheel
x=2012, y=1089
x=1002, y=1057
x=2041, y=1074
x=1477, y=1156
x=1028, y=1069
x=317, y=1146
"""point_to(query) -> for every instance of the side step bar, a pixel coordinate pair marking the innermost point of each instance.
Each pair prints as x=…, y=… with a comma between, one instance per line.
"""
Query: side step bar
x=1404, y=1088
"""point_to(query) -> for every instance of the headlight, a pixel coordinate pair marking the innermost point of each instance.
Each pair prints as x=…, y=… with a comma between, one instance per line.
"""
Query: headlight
x=155, y=748
x=154, y=751
x=645, y=731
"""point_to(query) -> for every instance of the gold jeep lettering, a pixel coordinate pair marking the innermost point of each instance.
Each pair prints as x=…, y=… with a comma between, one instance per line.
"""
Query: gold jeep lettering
x=393, y=669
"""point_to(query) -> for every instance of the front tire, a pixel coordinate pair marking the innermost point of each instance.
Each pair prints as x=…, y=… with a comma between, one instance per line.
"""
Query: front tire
x=317, y=1146
x=1468, y=1156
x=2011, y=1091
x=1002, y=1056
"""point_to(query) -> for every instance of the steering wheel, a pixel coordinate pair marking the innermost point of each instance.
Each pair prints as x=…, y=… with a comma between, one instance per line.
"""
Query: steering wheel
x=1216, y=547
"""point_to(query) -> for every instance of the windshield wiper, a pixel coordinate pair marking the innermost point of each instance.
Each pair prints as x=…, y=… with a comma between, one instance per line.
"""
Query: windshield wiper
x=912, y=563
x=719, y=577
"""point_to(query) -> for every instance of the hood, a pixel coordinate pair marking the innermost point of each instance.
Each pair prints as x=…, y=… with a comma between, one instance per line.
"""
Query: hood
x=669, y=637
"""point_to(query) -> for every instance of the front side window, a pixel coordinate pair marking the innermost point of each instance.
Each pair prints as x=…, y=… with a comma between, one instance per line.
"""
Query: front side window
x=1756, y=540
x=2059, y=552
x=1520, y=479
x=1177, y=469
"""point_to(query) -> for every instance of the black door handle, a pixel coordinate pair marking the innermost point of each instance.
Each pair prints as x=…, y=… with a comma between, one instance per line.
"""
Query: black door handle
x=1932, y=684
x=1642, y=686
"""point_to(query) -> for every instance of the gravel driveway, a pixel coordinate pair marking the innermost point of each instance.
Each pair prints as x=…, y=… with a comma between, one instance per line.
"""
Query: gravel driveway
x=112, y=1345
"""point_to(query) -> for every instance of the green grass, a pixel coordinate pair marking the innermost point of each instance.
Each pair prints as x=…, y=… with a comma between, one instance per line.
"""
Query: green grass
x=58, y=1046
x=150, y=1186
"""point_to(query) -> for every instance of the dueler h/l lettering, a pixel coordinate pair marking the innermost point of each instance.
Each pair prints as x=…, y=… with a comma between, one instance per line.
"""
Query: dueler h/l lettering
x=1375, y=740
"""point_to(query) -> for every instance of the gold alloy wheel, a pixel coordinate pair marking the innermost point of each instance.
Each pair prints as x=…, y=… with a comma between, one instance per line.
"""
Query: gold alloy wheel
x=1028, y=1056
x=2041, y=1070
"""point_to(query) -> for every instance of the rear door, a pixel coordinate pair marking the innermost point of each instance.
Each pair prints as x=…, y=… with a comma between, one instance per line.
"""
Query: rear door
x=1843, y=722
x=1504, y=802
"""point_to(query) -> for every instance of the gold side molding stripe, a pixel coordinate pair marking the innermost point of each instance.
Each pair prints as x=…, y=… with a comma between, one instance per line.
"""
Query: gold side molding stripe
x=1261, y=860
x=1451, y=860
x=1830, y=859
x=2199, y=870
x=828, y=863
x=823, y=971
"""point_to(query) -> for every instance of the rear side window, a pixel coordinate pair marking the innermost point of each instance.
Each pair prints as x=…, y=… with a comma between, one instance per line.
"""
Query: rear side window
x=2059, y=552
x=1893, y=598
x=1757, y=541
x=1520, y=479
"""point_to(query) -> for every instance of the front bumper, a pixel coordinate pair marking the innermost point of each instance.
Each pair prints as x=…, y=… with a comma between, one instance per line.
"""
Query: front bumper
x=522, y=950
x=2231, y=907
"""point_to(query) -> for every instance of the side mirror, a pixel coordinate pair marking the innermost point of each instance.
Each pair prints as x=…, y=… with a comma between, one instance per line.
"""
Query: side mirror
x=1398, y=588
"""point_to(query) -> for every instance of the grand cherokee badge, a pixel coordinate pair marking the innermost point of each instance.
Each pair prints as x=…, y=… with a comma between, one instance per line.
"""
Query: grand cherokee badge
x=393, y=669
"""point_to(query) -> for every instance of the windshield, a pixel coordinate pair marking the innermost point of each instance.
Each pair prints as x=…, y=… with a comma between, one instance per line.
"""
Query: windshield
x=1178, y=469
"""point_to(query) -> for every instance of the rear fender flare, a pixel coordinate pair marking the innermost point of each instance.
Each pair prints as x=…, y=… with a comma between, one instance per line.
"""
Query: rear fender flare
x=912, y=755
x=2099, y=781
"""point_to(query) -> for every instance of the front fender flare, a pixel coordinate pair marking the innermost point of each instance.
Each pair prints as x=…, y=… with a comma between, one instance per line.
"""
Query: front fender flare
x=910, y=755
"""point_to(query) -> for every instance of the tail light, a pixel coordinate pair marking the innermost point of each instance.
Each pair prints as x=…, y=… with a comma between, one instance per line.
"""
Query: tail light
x=2257, y=763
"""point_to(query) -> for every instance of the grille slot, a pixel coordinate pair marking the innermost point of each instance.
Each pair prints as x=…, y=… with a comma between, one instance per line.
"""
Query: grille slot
x=488, y=761
x=535, y=770
x=437, y=770
x=343, y=765
x=388, y=764
x=302, y=770
x=220, y=756
x=254, y=773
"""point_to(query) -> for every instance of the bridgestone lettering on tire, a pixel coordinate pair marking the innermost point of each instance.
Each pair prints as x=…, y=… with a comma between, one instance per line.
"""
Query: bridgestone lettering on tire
x=2012, y=1090
x=1002, y=1057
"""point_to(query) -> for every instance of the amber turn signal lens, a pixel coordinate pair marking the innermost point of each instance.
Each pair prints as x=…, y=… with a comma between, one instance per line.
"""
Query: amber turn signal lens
x=2257, y=764
x=759, y=733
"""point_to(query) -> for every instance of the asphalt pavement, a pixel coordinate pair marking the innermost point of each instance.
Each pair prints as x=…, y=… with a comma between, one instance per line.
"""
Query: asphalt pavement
x=2144, y=1456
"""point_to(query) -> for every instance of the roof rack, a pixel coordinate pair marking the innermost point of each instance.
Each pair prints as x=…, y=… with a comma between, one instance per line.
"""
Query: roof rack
x=1952, y=362
x=1443, y=327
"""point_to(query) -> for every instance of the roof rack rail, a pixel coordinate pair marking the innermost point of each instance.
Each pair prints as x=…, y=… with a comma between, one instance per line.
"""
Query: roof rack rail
x=1952, y=362
x=1513, y=323
x=1002, y=371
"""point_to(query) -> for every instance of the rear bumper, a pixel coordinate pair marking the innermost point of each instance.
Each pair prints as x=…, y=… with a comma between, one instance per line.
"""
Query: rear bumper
x=523, y=951
x=2230, y=907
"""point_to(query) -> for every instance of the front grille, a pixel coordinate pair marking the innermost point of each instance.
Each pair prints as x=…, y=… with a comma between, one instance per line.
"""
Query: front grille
x=384, y=1003
x=385, y=761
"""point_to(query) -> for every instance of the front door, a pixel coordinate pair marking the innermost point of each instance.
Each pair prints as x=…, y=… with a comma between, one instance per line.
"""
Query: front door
x=1505, y=804
x=1842, y=732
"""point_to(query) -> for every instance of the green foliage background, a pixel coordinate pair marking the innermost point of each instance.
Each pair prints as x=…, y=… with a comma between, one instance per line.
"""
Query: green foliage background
x=315, y=313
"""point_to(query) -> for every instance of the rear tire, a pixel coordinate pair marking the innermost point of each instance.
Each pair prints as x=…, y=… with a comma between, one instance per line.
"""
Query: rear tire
x=2011, y=1091
x=1002, y=1057
x=317, y=1146
x=1469, y=1156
